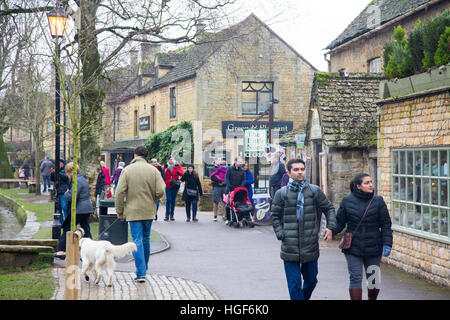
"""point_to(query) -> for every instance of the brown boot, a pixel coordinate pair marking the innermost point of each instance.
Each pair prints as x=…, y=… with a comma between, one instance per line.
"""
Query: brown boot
x=372, y=294
x=355, y=293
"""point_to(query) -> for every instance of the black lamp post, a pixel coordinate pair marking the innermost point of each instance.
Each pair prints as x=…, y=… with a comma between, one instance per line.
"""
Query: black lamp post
x=57, y=21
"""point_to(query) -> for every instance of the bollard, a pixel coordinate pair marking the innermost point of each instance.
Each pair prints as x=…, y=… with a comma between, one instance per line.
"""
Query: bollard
x=56, y=226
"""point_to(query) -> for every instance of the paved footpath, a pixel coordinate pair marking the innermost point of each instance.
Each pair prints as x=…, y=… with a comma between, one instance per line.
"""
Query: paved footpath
x=208, y=260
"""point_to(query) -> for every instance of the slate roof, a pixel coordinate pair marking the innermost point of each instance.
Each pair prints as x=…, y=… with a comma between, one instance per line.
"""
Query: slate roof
x=343, y=103
x=184, y=62
x=390, y=9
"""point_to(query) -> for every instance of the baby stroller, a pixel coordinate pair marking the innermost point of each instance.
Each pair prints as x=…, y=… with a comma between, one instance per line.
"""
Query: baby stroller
x=240, y=208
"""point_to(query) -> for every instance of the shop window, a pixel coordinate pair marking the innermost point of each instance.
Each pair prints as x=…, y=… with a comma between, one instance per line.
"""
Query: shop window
x=420, y=195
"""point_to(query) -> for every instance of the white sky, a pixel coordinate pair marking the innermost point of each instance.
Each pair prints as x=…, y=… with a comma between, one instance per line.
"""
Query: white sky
x=307, y=25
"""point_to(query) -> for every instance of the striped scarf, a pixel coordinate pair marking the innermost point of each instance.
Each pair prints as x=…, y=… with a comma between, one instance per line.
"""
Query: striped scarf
x=298, y=186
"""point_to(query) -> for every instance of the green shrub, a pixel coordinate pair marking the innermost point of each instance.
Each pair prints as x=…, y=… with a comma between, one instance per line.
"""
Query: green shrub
x=432, y=31
x=401, y=63
x=442, y=55
x=415, y=46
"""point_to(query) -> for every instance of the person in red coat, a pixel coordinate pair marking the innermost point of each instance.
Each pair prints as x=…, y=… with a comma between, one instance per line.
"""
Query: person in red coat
x=107, y=179
x=173, y=174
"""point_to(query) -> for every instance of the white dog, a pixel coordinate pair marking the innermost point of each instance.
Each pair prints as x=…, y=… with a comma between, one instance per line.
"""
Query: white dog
x=96, y=254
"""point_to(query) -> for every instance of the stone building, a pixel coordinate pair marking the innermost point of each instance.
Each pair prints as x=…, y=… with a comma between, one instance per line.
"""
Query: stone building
x=342, y=130
x=413, y=158
x=220, y=85
x=359, y=48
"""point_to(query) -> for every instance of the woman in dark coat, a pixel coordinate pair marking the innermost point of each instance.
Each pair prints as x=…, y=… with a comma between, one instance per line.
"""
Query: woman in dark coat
x=372, y=239
x=84, y=209
x=192, y=190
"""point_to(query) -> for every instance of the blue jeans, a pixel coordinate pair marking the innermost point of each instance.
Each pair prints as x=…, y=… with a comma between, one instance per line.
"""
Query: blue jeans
x=194, y=203
x=171, y=197
x=140, y=232
x=63, y=203
x=294, y=272
x=46, y=182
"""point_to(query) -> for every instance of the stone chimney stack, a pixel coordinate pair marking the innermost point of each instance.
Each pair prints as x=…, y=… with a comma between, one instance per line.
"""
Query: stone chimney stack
x=133, y=57
x=149, y=51
x=200, y=30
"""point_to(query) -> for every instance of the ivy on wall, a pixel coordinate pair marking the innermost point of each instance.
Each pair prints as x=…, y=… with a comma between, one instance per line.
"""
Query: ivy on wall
x=172, y=142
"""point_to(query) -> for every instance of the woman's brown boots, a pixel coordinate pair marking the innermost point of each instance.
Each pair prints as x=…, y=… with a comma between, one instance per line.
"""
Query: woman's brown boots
x=356, y=293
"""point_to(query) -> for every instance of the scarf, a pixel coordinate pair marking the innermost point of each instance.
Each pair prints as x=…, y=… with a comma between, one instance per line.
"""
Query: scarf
x=298, y=186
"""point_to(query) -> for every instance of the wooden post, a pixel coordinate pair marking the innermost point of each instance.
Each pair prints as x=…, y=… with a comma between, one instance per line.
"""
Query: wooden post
x=72, y=264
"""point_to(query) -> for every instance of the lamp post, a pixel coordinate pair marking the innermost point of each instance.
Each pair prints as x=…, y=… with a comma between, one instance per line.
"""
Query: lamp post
x=57, y=21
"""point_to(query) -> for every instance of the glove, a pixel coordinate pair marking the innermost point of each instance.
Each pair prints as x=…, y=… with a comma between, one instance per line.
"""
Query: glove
x=386, y=251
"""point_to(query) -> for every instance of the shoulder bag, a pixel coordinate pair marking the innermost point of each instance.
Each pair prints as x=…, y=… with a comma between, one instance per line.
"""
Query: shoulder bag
x=346, y=240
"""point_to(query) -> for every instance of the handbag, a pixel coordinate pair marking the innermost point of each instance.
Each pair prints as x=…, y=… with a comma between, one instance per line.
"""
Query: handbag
x=191, y=192
x=346, y=240
x=175, y=182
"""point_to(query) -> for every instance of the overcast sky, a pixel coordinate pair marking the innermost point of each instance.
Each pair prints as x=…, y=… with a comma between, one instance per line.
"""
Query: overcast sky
x=308, y=26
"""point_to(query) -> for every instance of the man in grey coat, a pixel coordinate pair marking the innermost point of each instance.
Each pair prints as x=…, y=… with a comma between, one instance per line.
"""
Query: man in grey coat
x=46, y=165
x=296, y=221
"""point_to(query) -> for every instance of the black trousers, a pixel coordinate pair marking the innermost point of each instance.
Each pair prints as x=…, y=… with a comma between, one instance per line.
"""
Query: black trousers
x=82, y=220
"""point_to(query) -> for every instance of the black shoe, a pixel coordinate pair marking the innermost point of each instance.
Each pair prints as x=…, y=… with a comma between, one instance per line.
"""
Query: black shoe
x=195, y=219
x=156, y=218
x=139, y=279
x=188, y=220
x=166, y=219
x=172, y=218
x=60, y=256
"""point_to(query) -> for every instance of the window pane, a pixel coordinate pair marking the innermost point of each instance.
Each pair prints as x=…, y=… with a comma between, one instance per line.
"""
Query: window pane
x=426, y=190
x=418, y=162
x=444, y=222
x=444, y=165
x=426, y=163
x=396, y=213
x=434, y=192
x=402, y=162
x=418, y=218
x=402, y=188
x=444, y=193
x=396, y=195
x=417, y=185
x=249, y=107
x=410, y=162
x=410, y=187
x=395, y=162
x=411, y=212
x=249, y=97
x=264, y=101
x=434, y=163
x=435, y=220
x=403, y=215
x=426, y=218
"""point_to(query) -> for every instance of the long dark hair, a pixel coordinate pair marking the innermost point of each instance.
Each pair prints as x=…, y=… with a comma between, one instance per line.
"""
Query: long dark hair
x=194, y=172
x=357, y=180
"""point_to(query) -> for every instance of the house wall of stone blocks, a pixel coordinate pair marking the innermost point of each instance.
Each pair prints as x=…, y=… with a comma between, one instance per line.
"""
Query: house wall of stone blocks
x=418, y=120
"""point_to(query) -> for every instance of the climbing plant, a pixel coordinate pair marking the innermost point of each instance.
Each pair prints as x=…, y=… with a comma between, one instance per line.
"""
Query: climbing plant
x=175, y=141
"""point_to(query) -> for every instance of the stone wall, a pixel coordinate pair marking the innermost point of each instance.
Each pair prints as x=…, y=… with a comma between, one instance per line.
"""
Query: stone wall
x=419, y=120
x=355, y=57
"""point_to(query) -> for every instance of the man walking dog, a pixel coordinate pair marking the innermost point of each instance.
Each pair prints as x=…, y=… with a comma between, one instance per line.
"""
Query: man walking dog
x=141, y=184
x=296, y=221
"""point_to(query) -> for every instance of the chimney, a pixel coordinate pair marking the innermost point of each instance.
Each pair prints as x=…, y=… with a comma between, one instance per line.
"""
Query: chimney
x=200, y=30
x=133, y=57
x=149, y=51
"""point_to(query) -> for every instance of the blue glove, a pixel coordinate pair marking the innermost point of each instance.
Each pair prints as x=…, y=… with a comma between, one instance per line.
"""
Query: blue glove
x=386, y=251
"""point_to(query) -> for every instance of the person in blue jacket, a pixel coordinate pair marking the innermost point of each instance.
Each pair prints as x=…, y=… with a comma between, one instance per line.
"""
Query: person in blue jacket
x=250, y=180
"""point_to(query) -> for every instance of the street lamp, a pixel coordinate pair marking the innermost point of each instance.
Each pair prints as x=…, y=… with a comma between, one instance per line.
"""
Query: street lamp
x=57, y=21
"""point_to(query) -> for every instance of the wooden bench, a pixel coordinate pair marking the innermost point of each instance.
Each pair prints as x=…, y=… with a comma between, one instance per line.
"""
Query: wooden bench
x=12, y=183
x=31, y=186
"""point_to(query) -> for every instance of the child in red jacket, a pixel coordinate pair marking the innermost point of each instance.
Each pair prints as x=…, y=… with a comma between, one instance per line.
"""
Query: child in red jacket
x=173, y=174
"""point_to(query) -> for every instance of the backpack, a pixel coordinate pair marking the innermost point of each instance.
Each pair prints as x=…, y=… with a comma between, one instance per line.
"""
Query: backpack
x=315, y=192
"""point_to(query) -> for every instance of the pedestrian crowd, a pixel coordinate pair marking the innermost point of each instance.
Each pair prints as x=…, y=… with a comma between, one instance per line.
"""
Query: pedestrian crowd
x=296, y=212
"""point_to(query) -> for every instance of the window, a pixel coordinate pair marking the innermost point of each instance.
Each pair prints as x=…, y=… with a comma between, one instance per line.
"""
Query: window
x=420, y=195
x=173, y=103
x=136, y=123
x=256, y=97
x=153, y=120
x=375, y=65
x=118, y=119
